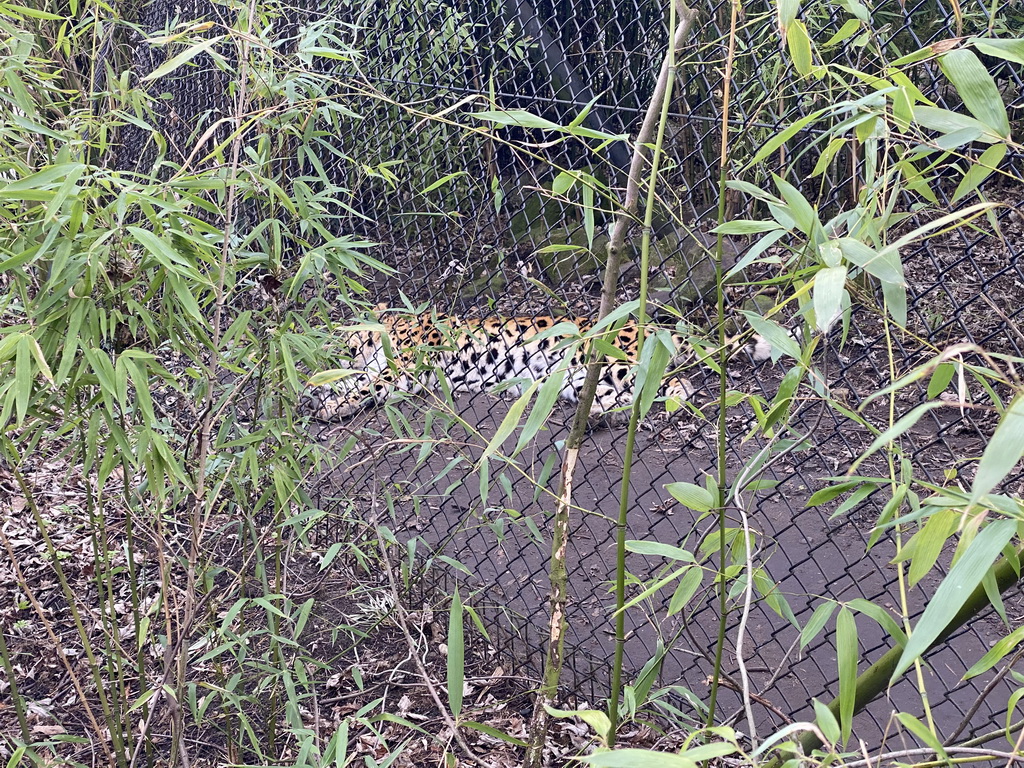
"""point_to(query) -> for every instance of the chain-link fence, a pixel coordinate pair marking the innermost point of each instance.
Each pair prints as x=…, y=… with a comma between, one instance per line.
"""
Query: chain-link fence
x=477, y=243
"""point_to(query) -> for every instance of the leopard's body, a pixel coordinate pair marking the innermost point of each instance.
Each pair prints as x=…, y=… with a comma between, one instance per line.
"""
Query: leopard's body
x=410, y=354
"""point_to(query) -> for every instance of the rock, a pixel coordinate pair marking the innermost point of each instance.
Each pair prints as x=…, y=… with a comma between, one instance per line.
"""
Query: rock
x=485, y=284
x=759, y=304
x=536, y=210
x=564, y=266
x=487, y=279
x=685, y=268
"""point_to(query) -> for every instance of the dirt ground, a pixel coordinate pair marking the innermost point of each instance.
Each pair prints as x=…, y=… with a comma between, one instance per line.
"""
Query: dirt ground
x=808, y=555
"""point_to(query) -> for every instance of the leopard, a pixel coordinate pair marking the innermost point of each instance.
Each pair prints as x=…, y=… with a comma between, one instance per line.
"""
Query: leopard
x=411, y=354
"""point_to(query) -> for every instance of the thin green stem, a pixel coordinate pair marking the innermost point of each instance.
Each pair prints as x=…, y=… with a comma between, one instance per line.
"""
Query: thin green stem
x=634, y=411
x=723, y=359
x=12, y=681
x=557, y=570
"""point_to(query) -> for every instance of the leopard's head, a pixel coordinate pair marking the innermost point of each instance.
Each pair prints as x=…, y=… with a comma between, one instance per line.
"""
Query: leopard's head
x=362, y=344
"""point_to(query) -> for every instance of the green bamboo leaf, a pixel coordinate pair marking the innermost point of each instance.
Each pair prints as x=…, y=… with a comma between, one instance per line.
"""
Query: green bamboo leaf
x=896, y=430
x=963, y=578
x=182, y=58
x=23, y=377
x=485, y=480
x=745, y=227
x=35, y=127
x=442, y=181
x=926, y=735
x=787, y=11
x=636, y=758
x=940, y=379
x=692, y=496
x=577, y=121
x=996, y=653
x=781, y=138
x=37, y=355
x=756, y=250
x=827, y=722
x=928, y=542
x=881, y=617
x=650, y=372
x=895, y=296
x=16, y=261
x=291, y=373
x=279, y=194
x=659, y=549
x=704, y=752
x=803, y=212
x=510, y=422
x=980, y=170
x=962, y=129
x=166, y=255
x=847, y=653
x=121, y=382
x=688, y=585
x=331, y=375
x=799, y=42
x=1009, y=50
x=544, y=475
x=780, y=407
x=754, y=191
x=104, y=371
x=490, y=730
x=824, y=495
x=649, y=674
x=542, y=407
x=912, y=58
x=232, y=612
x=77, y=315
x=643, y=758
x=850, y=28
x=456, y=655
x=64, y=191
x=857, y=9
x=815, y=624
x=904, y=381
x=773, y=597
x=1003, y=451
x=781, y=340
x=589, y=224
x=563, y=182
x=139, y=702
x=183, y=292
x=885, y=264
x=44, y=179
x=828, y=154
x=336, y=751
x=829, y=289
x=518, y=117
x=35, y=13
x=653, y=587
x=977, y=88
x=595, y=718
x=140, y=380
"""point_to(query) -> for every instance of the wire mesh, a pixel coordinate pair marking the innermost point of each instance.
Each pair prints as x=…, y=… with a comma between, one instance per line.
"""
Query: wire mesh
x=471, y=254
x=472, y=245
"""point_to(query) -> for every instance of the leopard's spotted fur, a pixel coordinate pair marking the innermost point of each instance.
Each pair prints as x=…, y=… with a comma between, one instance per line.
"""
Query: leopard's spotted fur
x=478, y=355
